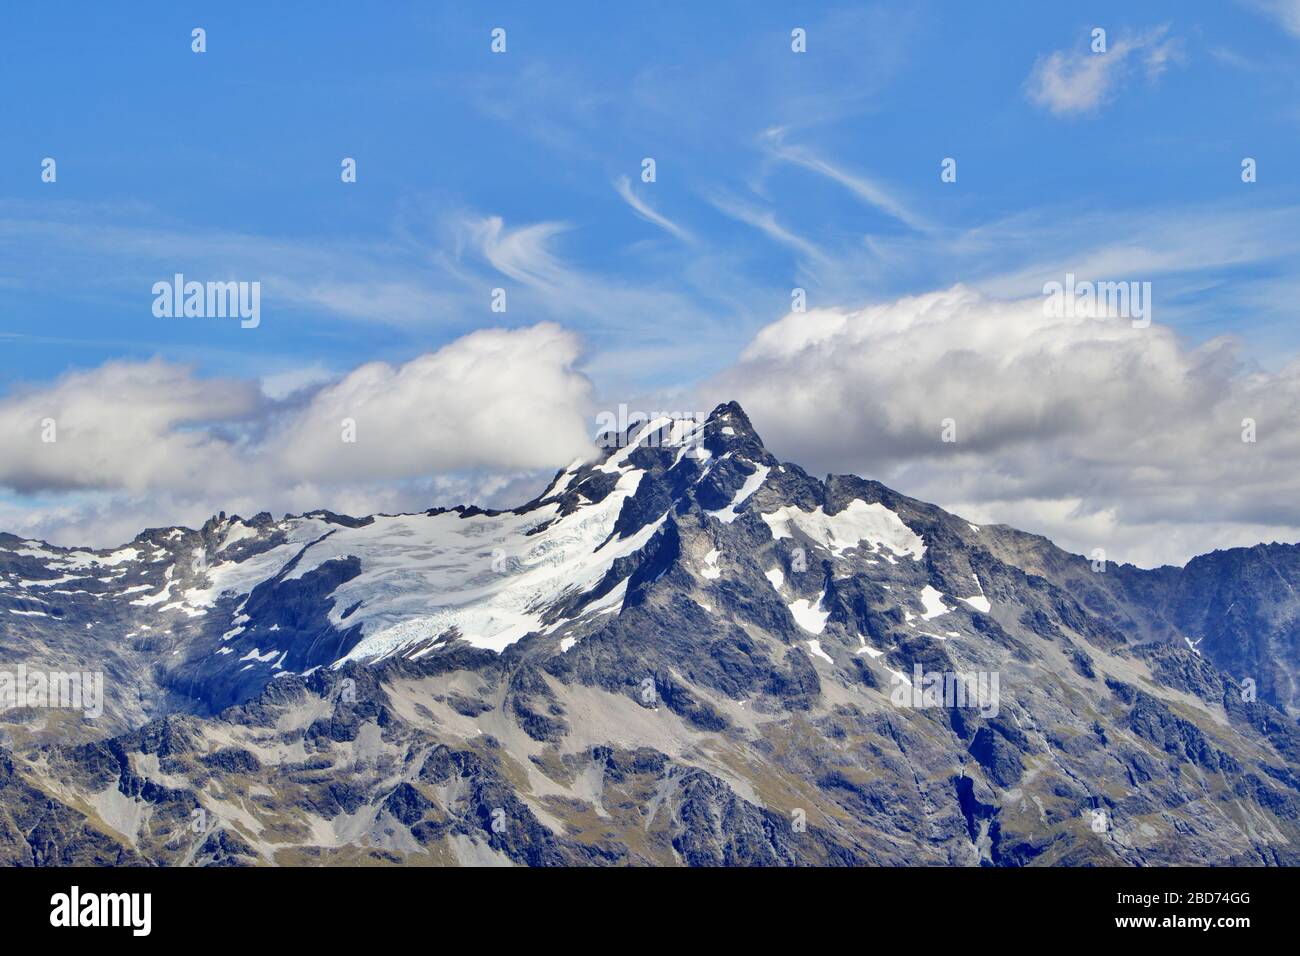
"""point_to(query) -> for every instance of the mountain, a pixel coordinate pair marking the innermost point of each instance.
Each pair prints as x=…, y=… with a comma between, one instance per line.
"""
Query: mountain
x=682, y=652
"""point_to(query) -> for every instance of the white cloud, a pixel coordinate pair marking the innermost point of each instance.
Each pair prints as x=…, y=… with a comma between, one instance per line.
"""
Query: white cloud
x=501, y=399
x=127, y=425
x=522, y=253
x=860, y=186
x=1081, y=81
x=152, y=443
x=120, y=252
x=284, y=382
x=607, y=306
x=624, y=187
x=765, y=222
x=1087, y=430
x=107, y=519
x=1097, y=433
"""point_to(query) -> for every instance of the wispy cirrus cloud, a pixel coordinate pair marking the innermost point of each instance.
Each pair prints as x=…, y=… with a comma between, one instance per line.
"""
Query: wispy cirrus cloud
x=1285, y=12
x=523, y=253
x=1018, y=254
x=432, y=273
x=626, y=319
x=863, y=187
x=765, y=221
x=110, y=251
x=623, y=185
x=1080, y=81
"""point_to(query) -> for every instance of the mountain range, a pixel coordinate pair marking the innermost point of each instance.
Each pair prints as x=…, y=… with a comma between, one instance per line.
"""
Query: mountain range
x=682, y=652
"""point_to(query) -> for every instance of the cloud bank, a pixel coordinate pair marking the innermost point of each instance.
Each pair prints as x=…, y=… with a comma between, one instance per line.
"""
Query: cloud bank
x=167, y=446
x=1086, y=429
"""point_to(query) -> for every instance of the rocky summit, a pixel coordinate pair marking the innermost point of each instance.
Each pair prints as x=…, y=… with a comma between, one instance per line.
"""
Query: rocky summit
x=683, y=652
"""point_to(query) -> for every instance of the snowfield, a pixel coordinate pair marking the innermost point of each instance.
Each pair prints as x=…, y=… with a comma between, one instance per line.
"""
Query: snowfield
x=873, y=523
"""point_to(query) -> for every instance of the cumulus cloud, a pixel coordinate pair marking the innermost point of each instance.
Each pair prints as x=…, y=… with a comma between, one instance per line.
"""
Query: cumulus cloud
x=1087, y=429
x=129, y=425
x=1081, y=81
x=495, y=398
x=153, y=443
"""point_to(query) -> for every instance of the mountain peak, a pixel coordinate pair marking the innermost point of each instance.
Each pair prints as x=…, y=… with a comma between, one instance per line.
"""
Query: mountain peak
x=730, y=413
x=730, y=420
x=626, y=426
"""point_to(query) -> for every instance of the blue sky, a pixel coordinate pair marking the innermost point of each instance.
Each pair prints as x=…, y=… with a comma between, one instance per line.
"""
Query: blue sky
x=244, y=142
x=774, y=170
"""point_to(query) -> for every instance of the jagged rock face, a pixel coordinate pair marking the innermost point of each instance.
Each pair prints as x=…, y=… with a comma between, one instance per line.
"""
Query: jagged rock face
x=685, y=652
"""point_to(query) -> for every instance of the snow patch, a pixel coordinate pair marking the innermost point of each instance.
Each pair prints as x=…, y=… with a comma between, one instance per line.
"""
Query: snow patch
x=808, y=614
x=711, y=569
x=872, y=523
x=752, y=483
x=816, y=647
x=263, y=658
x=238, y=531
x=932, y=600
x=979, y=602
x=865, y=648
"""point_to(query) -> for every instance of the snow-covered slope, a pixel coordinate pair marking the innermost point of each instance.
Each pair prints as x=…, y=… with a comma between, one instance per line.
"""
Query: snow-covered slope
x=365, y=589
